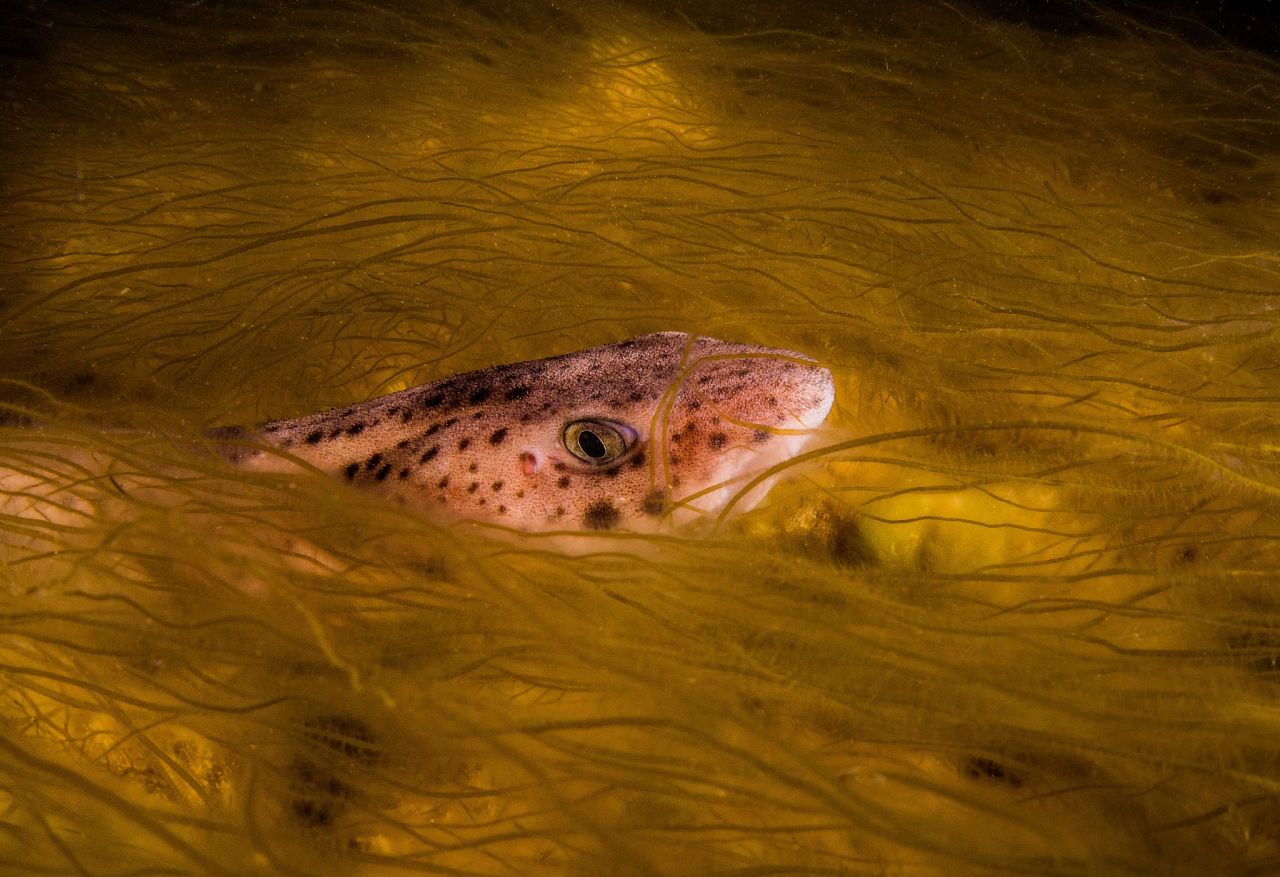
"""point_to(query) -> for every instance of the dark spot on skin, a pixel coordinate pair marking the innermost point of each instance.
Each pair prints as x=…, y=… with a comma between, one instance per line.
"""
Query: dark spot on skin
x=564, y=481
x=497, y=485
x=432, y=429
x=477, y=415
x=704, y=380
x=612, y=473
x=321, y=795
x=406, y=415
x=655, y=503
x=559, y=467
x=636, y=397
x=525, y=418
x=429, y=454
x=676, y=438
x=980, y=767
x=760, y=436
x=337, y=432
x=560, y=511
x=675, y=461
x=481, y=501
x=473, y=467
x=372, y=462
x=717, y=440
x=1215, y=196
x=773, y=401
x=479, y=395
x=344, y=735
x=443, y=482
x=519, y=494
x=517, y=393
x=383, y=472
x=404, y=473
x=601, y=515
x=502, y=510
x=433, y=401
x=229, y=433
x=350, y=471
x=464, y=444
x=313, y=438
x=637, y=461
x=475, y=485
x=355, y=429
x=498, y=436
x=403, y=443
x=694, y=404
x=220, y=433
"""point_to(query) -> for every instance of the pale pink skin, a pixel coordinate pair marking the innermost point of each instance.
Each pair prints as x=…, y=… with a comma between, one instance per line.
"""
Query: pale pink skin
x=705, y=416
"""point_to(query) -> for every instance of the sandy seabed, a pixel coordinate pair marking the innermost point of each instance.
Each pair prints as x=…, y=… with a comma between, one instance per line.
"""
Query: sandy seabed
x=1017, y=613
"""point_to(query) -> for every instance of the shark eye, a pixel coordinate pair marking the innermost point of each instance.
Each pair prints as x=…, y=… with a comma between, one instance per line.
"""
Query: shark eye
x=597, y=442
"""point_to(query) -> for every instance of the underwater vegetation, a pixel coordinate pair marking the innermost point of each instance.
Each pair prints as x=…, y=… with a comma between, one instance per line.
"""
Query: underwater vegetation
x=1015, y=610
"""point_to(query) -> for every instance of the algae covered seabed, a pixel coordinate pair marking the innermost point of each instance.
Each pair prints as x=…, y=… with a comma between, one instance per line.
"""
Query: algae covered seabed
x=1019, y=612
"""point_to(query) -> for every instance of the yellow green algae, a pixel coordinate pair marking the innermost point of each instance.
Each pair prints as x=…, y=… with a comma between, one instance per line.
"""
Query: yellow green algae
x=1017, y=613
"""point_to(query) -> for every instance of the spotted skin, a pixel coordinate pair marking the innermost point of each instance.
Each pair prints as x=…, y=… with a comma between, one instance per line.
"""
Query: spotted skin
x=704, y=415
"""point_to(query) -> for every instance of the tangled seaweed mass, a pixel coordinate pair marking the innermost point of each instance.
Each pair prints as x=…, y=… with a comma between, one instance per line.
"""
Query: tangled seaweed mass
x=1015, y=610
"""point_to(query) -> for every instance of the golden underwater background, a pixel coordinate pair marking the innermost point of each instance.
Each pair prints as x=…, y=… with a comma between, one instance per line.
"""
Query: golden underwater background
x=1018, y=612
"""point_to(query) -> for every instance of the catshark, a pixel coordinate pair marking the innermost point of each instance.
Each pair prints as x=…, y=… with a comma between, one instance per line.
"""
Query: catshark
x=651, y=431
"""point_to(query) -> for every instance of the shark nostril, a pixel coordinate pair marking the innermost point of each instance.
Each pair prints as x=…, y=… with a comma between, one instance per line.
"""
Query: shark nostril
x=528, y=463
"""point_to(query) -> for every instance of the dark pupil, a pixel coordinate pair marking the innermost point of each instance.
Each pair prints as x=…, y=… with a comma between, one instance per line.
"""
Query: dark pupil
x=591, y=444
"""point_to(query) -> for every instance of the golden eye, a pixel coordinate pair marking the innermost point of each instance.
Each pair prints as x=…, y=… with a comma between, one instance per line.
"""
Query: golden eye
x=598, y=442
